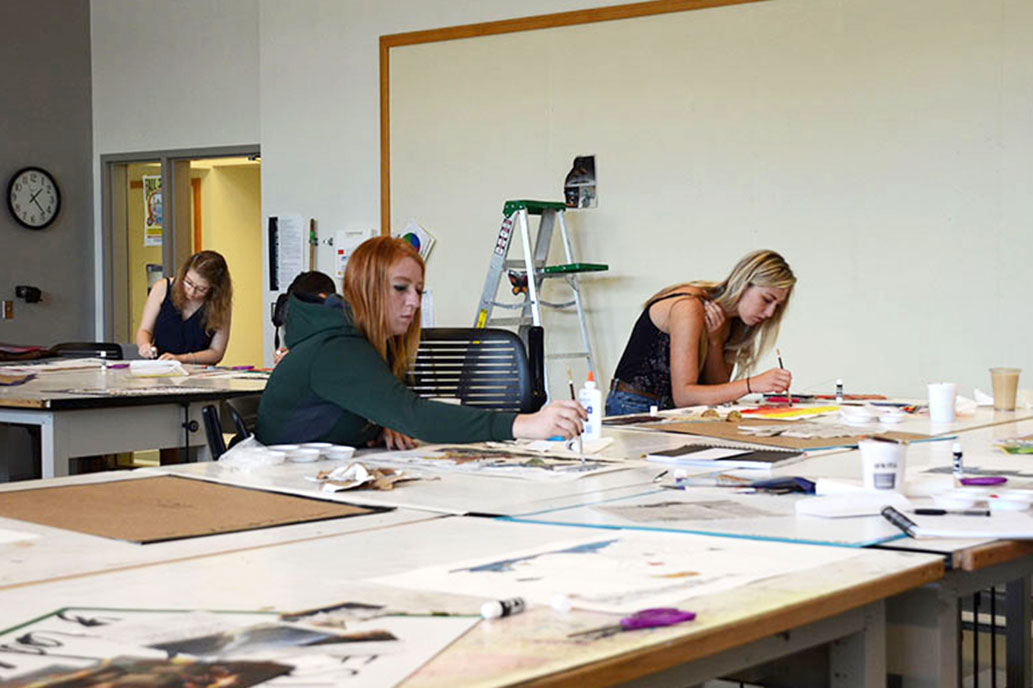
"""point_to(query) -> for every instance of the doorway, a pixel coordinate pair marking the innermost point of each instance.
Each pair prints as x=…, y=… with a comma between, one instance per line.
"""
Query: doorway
x=159, y=209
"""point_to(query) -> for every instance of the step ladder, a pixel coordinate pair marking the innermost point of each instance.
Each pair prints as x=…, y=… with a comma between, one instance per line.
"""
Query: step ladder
x=533, y=264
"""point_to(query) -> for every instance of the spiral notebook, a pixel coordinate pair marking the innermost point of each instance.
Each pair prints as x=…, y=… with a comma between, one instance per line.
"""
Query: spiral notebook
x=725, y=457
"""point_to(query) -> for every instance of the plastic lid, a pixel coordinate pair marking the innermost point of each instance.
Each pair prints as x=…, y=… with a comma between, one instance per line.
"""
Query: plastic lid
x=956, y=447
x=590, y=382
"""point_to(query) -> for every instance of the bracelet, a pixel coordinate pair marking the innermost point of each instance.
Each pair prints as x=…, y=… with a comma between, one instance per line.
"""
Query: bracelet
x=748, y=390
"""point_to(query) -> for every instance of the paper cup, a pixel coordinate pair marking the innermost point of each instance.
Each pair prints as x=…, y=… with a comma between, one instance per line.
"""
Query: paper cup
x=1005, y=382
x=942, y=396
x=882, y=464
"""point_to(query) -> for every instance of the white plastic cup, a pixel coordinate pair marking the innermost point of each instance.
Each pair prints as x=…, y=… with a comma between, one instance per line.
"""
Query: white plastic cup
x=882, y=464
x=942, y=396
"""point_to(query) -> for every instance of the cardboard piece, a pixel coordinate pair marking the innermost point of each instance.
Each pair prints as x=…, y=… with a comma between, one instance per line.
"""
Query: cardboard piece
x=162, y=508
x=730, y=431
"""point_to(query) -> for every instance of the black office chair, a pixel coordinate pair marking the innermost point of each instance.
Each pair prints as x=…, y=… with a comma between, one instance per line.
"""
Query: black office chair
x=213, y=431
x=113, y=352
x=242, y=412
x=486, y=368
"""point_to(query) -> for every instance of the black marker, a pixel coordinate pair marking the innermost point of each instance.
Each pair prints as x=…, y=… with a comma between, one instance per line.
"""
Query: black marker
x=947, y=512
x=899, y=520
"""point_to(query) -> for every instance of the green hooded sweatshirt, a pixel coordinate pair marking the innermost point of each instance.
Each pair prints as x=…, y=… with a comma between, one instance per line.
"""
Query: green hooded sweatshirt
x=333, y=386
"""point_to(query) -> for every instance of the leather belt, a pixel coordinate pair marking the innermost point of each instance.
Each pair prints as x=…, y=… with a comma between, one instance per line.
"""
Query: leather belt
x=621, y=386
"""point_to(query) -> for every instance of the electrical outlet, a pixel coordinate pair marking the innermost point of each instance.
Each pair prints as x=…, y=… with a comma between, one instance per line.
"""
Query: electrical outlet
x=8, y=310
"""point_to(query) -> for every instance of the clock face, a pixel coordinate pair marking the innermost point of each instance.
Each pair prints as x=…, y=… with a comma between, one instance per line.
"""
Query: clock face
x=33, y=197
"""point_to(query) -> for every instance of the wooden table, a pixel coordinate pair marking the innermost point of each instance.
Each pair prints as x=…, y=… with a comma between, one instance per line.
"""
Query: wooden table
x=840, y=603
x=110, y=421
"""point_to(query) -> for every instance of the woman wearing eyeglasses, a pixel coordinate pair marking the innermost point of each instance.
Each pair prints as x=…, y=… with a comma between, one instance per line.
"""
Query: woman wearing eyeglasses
x=187, y=318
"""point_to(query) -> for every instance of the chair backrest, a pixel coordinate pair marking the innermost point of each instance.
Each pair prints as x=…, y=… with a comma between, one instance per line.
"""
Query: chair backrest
x=213, y=431
x=113, y=352
x=243, y=413
x=486, y=368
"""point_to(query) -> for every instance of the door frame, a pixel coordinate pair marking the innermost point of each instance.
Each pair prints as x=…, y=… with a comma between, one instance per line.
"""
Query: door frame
x=112, y=182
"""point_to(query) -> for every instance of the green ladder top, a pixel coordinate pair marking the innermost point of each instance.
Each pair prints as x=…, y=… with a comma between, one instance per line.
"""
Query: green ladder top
x=532, y=207
x=574, y=267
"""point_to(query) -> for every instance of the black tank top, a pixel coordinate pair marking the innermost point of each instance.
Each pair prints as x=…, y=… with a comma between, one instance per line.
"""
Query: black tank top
x=646, y=361
x=173, y=334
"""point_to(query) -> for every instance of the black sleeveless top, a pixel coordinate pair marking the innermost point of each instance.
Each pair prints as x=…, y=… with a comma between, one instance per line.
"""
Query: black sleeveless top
x=646, y=361
x=173, y=334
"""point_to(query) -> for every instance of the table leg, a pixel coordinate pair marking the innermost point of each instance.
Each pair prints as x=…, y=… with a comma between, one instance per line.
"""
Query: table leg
x=923, y=637
x=860, y=659
x=1017, y=612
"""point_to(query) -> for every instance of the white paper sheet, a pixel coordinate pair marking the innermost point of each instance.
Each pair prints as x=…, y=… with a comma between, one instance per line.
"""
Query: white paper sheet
x=621, y=573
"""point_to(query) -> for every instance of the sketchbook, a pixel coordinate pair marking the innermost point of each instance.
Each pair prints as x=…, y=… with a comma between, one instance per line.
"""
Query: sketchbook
x=725, y=457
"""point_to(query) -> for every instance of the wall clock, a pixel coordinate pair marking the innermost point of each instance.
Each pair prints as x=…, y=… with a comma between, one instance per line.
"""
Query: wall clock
x=33, y=197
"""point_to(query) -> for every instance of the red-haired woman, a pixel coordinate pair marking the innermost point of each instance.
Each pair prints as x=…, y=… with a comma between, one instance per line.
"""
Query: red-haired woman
x=188, y=318
x=341, y=381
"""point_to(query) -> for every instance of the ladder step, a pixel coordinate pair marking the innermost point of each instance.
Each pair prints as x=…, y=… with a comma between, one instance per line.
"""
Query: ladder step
x=567, y=268
x=533, y=207
x=577, y=354
x=508, y=321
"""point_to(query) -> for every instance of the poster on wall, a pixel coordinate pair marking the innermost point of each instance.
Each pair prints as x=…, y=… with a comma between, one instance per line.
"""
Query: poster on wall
x=579, y=186
x=152, y=210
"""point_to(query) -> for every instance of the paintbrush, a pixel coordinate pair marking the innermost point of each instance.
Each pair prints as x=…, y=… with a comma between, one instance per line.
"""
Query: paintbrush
x=573, y=396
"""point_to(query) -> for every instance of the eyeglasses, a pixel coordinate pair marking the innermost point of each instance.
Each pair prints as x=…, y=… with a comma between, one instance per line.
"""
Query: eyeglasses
x=193, y=287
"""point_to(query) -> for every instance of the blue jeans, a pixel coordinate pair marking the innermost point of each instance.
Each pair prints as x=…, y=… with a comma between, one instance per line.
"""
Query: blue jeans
x=623, y=403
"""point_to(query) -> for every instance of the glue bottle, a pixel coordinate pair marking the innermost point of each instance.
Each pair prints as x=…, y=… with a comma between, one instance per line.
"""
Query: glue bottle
x=592, y=399
x=958, y=471
x=839, y=391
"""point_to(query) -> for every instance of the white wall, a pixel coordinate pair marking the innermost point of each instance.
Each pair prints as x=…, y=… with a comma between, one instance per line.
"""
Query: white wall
x=882, y=147
x=303, y=80
x=320, y=102
x=171, y=75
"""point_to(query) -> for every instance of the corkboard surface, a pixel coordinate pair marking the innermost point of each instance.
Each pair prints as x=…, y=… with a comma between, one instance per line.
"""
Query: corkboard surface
x=162, y=508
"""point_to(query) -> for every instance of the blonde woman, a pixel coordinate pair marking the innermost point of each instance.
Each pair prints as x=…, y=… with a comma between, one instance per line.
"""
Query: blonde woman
x=691, y=337
x=188, y=318
x=341, y=381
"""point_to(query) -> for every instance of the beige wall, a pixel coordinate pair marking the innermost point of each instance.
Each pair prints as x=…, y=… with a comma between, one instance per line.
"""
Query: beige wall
x=232, y=221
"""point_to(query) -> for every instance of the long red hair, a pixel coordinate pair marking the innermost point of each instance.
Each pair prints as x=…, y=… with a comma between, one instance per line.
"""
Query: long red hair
x=366, y=287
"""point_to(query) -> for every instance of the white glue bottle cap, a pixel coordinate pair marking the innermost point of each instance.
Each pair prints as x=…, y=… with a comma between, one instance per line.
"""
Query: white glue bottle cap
x=956, y=447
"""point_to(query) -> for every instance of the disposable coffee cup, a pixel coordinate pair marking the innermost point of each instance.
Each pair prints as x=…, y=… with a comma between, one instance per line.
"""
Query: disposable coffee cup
x=1005, y=382
x=942, y=396
x=882, y=464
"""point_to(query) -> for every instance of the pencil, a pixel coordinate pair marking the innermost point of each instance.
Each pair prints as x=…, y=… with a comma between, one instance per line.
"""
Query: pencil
x=573, y=396
x=789, y=395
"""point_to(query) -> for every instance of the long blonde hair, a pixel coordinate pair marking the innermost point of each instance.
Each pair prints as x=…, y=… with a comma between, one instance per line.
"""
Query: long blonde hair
x=366, y=287
x=762, y=268
x=218, y=300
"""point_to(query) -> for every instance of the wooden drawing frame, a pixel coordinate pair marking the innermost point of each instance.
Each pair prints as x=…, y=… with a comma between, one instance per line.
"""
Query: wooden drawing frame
x=532, y=23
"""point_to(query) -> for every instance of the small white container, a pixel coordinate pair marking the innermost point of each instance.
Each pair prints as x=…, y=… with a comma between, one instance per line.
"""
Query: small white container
x=856, y=415
x=891, y=416
x=303, y=455
x=1010, y=500
x=284, y=447
x=339, y=452
x=321, y=446
x=961, y=498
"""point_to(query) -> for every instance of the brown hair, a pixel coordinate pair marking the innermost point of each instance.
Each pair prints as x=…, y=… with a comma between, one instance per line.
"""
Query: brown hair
x=762, y=268
x=218, y=301
x=366, y=288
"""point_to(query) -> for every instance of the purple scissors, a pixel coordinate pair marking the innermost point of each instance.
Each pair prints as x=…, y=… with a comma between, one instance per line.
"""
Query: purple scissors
x=646, y=618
